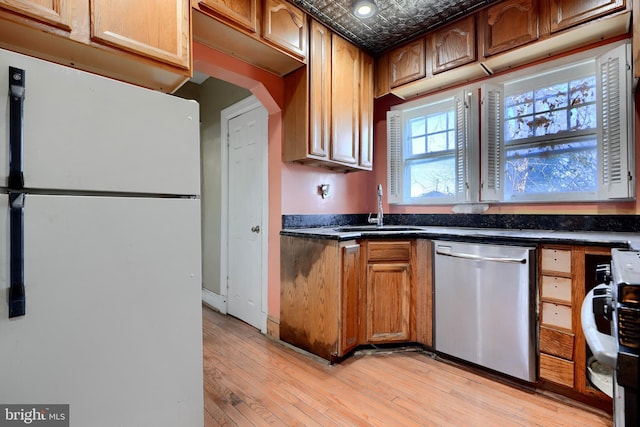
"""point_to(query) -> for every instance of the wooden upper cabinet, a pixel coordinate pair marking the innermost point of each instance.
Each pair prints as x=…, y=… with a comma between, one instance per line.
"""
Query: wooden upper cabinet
x=328, y=115
x=566, y=13
x=345, y=101
x=157, y=30
x=407, y=63
x=453, y=45
x=382, y=75
x=285, y=26
x=366, y=110
x=242, y=12
x=319, y=91
x=53, y=12
x=509, y=24
x=636, y=39
x=142, y=42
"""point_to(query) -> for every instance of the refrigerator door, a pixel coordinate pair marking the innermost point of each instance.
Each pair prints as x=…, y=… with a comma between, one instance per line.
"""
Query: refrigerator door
x=89, y=133
x=113, y=317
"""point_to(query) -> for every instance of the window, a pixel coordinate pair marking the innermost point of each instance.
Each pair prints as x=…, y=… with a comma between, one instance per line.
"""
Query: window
x=560, y=134
x=428, y=155
x=557, y=132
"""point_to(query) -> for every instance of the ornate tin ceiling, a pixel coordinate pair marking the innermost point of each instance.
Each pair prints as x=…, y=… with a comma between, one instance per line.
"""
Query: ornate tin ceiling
x=395, y=21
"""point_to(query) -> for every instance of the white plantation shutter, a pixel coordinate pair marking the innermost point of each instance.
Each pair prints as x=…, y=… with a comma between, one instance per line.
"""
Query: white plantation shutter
x=394, y=156
x=492, y=143
x=615, y=151
x=462, y=127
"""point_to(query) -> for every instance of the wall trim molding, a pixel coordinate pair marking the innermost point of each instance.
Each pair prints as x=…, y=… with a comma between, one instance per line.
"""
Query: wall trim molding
x=216, y=301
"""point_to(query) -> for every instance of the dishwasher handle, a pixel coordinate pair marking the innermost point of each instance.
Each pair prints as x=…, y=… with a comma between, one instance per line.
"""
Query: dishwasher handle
x=446, y=251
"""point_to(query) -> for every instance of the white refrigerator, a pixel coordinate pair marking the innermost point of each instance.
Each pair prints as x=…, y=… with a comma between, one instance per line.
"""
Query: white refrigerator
x=100, y=264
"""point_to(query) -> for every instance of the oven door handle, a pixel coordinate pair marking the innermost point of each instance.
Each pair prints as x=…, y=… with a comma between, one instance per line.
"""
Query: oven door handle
x=604, y=347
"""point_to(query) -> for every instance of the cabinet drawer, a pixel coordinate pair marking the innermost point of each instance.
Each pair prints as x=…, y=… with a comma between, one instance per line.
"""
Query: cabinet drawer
x=389, y=251
x=556, y=343
x=558, y=288
x=556, y=315
x=557, y=370
x=556, y=260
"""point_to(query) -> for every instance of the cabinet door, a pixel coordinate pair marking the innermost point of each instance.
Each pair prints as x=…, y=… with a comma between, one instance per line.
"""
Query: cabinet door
x=382, y=75
x=285, y=26
x=242, y=12
x=388, y=302
x=366, y=111
x=509, y=24
x=345, y=96
x=566, y=13
x=319, y=90
x=407, y=63
x=453, y=45
x=156, y=30
x=636, y=38
x=349, y=299
x=54, y=12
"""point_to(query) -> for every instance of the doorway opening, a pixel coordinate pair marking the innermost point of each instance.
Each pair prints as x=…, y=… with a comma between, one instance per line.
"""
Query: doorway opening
x=228, y=111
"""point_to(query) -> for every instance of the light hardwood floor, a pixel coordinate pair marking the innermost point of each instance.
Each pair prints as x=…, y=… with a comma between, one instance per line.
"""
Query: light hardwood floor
x=253, y=380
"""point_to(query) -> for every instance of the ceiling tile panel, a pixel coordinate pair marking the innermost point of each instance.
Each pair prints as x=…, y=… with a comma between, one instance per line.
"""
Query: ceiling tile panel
x=396, y=21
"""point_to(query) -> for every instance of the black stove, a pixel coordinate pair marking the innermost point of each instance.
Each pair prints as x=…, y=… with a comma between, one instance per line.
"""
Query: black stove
x=617, y=299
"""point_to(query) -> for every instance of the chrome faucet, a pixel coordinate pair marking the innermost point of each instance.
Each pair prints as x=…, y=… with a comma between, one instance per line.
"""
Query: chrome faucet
x=378, y=219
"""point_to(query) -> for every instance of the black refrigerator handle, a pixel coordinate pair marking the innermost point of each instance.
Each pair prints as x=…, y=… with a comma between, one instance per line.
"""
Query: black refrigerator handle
x=17, y=302
x=16, y=94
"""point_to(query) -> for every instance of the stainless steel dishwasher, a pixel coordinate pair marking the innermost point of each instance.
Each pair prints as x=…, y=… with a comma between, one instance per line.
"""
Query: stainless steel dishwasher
x=484, y=305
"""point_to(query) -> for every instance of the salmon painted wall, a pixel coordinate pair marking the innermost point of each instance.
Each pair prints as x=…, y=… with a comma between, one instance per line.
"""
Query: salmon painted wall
x=293, y=189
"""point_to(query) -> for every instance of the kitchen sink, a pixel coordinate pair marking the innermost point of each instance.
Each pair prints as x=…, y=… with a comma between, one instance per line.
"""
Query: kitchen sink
x=373, y=228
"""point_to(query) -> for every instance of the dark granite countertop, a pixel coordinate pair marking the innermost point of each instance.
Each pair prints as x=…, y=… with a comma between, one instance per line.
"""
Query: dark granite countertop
x=487, y=235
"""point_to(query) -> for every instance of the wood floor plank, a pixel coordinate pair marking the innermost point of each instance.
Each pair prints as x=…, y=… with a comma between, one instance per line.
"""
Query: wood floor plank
x=252, y=380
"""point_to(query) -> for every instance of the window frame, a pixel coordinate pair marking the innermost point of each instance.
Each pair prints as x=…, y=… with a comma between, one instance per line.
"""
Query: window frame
x=462, y=101
x=480, y=168
x=615, y=137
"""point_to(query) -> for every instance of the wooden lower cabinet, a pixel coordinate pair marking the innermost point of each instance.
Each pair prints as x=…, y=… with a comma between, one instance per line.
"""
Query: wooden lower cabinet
x=388, y=301
x=336, y=296
x=557, y=369
x=320, y=295
x=349, y=297
x=566, y=274
x=389, y=291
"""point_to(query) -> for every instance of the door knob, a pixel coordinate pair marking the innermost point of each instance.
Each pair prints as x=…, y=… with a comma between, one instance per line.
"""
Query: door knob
x=255, y=229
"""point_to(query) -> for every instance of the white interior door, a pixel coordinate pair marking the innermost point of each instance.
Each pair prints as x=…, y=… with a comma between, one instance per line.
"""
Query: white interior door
x=247, y=218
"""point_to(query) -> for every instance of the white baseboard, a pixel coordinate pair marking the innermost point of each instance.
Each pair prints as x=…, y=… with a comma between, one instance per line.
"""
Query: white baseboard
x=215, y=301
